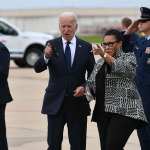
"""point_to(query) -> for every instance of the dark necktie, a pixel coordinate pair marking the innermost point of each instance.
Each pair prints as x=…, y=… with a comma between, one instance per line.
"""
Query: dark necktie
x=68, y=55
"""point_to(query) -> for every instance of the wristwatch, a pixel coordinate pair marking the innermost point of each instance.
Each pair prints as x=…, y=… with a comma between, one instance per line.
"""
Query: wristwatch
x=105, y=55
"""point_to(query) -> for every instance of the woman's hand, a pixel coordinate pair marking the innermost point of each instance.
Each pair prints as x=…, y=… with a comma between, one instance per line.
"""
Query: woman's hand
x=98, y=50
x=108, y=58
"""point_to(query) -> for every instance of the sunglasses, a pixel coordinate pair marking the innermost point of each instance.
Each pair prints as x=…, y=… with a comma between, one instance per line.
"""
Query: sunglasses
x=110, y=44
x=144, y=21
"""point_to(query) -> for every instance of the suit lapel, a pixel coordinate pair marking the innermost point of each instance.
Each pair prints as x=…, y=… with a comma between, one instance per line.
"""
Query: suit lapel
x=61, y=52
x=78, y=51
x=60, y=47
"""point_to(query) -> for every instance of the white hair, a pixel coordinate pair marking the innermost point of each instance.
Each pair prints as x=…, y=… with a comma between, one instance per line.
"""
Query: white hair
x=69, y=14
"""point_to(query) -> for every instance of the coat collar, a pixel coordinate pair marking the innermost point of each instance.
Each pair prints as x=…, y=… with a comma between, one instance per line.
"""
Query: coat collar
x=73, y=40
x=78, y=51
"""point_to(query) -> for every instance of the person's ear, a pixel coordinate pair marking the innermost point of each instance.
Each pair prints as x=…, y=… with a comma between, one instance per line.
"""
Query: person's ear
x=59, y=26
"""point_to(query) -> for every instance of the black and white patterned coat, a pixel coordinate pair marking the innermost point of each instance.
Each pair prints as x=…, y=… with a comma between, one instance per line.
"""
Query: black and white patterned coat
x=121, y=95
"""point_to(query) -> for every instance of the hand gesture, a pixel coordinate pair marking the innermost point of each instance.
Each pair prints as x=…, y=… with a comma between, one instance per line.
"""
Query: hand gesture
x=48, y=51
x=133, y=27
x=98, y=50
x=79, y=91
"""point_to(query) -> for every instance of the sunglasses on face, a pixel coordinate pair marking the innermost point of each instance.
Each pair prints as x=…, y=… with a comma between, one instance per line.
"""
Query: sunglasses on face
x=144, y=21
x=110, y=44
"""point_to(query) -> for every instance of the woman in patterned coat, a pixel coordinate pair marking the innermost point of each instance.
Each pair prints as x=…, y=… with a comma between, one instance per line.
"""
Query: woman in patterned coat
x=118, y=108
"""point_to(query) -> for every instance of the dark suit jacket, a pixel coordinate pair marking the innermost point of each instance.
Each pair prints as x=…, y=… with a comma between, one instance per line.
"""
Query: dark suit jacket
x=5, y=95
x=61, y=79
x=127, y=45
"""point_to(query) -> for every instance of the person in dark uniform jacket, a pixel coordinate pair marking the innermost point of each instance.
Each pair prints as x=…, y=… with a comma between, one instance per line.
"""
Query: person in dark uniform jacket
x=5, y=95
x=67, y=59
x=118, y=109
x=126, y=46
x=142, y=52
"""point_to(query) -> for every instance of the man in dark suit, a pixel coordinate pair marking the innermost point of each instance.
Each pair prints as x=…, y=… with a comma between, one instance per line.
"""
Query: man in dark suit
x=142, y=52
x=5, y=95
x=67, y=58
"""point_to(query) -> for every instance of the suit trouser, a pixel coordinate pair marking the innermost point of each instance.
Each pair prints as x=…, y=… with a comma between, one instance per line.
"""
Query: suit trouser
x=76, y=131
x=3, y=139
x=144, y=133
x=76, y=121
x=114, y=131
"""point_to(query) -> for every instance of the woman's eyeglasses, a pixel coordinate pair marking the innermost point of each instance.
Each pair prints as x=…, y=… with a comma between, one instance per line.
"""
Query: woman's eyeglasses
x=110, y=44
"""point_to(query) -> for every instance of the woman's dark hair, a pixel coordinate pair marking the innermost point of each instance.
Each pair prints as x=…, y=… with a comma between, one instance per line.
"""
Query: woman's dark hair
x=116, y=33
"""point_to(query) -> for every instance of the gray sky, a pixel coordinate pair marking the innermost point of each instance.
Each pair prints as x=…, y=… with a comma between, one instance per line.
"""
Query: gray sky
x=36, y=4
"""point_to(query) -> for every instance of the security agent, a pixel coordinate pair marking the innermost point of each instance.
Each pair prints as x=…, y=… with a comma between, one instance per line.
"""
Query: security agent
x=5, y=95
x=141, y=48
